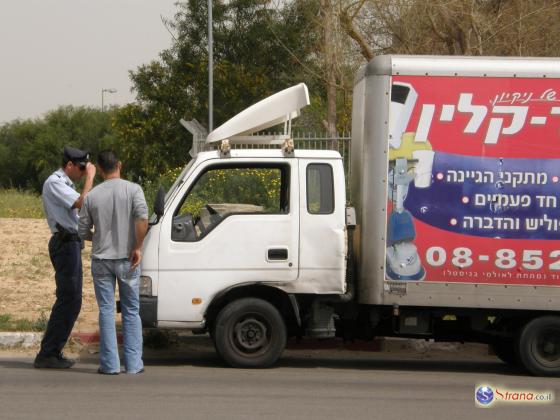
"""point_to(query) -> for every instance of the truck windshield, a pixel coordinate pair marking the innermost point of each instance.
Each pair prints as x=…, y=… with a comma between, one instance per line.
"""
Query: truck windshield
x=179, y=180
x=174, y=187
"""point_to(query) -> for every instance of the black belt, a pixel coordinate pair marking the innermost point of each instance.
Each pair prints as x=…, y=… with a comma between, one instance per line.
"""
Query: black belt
x=65, y=236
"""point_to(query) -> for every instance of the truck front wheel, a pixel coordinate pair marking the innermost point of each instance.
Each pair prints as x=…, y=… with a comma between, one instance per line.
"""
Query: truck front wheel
x=539, y=346
x=249, y=333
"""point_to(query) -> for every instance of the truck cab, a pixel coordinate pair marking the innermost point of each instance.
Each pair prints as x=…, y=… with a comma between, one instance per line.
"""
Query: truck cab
x=243, y=231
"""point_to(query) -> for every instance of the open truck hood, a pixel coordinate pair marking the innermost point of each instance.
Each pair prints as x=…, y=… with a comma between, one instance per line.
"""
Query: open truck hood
x=276, y=109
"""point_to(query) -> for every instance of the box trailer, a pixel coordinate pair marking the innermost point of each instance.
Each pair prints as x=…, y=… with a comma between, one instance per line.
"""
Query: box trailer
x=448, y=231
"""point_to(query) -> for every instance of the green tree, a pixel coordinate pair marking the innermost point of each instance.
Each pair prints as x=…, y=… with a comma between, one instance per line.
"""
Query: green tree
x=16, y=162
x=31, y=149
x=258, y=50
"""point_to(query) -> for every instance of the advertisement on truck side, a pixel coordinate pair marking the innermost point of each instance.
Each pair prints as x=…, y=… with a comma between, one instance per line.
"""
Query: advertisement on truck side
x=474, y=173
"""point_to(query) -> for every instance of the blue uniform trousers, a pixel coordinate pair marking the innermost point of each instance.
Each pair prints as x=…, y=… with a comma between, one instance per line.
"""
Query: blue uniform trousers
x=67, y=262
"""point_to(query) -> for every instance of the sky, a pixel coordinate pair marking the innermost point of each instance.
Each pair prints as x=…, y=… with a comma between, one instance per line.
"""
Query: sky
x=64, y=52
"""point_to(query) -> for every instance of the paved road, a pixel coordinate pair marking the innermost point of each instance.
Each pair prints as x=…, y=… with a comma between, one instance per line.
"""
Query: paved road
x=308, y=384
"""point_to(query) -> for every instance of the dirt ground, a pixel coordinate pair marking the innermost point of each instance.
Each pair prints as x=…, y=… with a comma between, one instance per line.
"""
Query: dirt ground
x=27, y=277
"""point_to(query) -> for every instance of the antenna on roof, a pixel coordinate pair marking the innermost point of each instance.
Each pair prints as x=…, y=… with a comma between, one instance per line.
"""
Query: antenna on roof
x=198, y=132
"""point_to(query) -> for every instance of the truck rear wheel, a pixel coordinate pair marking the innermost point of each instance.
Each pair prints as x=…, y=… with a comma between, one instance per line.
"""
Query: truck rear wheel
x=249, y=333
x=539, y=346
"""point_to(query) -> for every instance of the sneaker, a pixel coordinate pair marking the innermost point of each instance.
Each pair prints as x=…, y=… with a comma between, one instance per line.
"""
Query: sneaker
x=136, y=373
x=101, y=372
x=52, y=362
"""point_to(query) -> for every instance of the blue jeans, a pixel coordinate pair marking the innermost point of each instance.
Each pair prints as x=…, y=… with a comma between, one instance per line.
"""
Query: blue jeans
x=105, y=272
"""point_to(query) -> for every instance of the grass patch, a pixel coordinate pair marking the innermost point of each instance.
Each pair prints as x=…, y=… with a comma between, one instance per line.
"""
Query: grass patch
x=21, y=204
x=7, y=323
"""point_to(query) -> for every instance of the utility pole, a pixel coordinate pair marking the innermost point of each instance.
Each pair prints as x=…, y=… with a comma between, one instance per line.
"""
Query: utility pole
x=103, y=91
x=210, y=70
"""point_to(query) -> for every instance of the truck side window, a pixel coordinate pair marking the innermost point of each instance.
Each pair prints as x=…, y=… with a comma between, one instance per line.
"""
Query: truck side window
x=223, y=191
x=320, y=188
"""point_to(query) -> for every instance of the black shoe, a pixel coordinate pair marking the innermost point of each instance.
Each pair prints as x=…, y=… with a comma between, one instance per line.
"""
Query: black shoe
x=106, y=373
x=65, y=359
x=52, y=362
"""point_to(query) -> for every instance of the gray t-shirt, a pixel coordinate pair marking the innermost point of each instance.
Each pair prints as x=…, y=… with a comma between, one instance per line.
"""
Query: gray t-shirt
x=112, y=207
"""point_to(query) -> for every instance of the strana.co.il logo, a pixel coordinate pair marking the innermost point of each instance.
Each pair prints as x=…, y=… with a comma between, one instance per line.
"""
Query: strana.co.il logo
x=484, y=395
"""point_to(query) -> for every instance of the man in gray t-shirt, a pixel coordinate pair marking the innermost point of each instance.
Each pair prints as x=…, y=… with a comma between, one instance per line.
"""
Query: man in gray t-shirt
x=117, y=210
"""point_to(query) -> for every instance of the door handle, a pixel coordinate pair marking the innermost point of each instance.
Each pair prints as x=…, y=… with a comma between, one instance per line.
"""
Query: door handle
x=277, y=254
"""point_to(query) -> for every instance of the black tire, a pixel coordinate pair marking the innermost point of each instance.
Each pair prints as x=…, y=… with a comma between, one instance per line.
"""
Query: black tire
x=539, y=346
x=505, y=351
x=249, y=333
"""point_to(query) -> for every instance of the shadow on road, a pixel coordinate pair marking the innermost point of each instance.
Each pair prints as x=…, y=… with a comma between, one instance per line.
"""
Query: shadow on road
x=16, y=364
x=354, y=361
x=390, y=363
x=10, y=363
x=205, y=357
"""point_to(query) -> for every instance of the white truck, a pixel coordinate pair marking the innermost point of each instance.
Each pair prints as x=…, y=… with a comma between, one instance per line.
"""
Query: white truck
x=449, y=229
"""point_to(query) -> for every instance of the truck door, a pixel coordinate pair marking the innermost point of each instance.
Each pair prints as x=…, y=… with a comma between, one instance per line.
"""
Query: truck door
x=233, y=223
x=322, y=226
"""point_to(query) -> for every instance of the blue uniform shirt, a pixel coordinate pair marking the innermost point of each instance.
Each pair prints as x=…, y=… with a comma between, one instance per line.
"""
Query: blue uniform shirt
x=58, y=197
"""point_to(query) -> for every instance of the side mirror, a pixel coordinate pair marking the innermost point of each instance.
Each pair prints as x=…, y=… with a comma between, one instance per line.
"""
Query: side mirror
x=159, y=205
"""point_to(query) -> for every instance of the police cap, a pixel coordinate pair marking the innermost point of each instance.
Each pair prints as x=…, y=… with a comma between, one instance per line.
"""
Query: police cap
x=77, y=156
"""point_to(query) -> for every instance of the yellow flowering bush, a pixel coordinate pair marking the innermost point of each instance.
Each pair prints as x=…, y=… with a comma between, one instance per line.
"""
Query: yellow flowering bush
x=257, y=186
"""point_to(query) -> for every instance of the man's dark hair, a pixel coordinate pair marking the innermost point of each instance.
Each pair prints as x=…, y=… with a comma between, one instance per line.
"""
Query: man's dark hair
x=107, y=161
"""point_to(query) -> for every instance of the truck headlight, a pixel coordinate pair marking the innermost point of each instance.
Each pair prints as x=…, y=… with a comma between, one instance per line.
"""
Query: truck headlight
x=145, y=286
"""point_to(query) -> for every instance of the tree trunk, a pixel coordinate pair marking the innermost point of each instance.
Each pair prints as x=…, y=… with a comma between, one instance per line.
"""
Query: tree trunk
x=329, y=48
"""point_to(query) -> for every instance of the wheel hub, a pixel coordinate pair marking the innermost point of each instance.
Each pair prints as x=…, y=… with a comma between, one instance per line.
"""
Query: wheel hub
x=548, y=347
x=251, y=334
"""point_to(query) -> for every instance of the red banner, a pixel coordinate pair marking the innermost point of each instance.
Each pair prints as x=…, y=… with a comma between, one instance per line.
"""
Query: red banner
x=473, y=180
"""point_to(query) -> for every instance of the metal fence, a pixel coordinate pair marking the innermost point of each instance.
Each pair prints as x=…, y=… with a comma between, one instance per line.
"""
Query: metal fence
x=308, y=141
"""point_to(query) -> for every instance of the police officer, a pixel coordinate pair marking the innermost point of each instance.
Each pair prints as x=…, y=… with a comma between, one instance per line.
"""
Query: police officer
x=61, y=203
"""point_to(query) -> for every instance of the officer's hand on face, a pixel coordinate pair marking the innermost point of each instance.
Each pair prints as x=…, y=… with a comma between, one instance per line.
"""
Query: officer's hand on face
x=135, y=258
x=90, y=170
